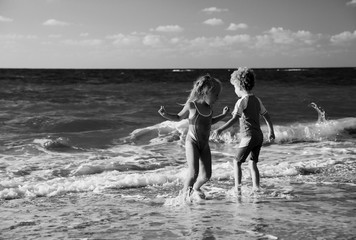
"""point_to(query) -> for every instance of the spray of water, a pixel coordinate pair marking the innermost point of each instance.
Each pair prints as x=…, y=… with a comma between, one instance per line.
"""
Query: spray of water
x=320, y=111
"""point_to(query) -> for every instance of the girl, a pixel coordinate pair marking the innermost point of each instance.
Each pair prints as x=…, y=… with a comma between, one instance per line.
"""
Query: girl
x=248, y=109
x=198, y=109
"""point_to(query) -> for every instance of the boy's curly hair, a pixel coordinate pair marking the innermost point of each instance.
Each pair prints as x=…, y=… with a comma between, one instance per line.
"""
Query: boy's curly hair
x=243, y=77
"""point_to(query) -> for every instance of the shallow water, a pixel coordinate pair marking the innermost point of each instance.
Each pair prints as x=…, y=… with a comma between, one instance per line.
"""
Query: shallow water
x=106, y=166
x=305, y=211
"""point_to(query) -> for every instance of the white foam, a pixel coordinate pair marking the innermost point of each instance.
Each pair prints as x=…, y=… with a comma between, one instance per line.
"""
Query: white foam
x=90, y=183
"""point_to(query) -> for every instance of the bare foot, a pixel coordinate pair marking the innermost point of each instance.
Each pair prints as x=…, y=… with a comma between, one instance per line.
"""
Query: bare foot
x=200, y=193
x=238, y=190
x=187, y=195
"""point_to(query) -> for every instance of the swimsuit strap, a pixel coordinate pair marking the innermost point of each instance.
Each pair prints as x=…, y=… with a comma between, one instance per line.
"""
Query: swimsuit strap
x=200, y=112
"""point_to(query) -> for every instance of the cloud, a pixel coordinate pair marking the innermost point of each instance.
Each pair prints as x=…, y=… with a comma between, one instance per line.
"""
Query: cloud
x=214, y=10
x=169, y=28
x=124, y=40
x=343, y=38
x=141, y=40
x=352, y=3
x=18, y=37
x=84, y=34
x=6, y=19
x=55, y=36
x=234, y=27
x=229, y=40
x=152, y=40
x=214, y=22
x=218, y=42
x=54, y=22
x=83, y=43
x=243, y=38
x=281, y=36
x=175, y=40
x=284, y=36
x=275, y=41
x=279, y=41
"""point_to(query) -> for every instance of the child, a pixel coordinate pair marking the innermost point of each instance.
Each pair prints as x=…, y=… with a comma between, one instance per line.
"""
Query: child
x=198, y=109
x=248, y=108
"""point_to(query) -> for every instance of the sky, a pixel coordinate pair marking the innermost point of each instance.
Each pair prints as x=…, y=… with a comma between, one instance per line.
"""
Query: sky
x=177, y=33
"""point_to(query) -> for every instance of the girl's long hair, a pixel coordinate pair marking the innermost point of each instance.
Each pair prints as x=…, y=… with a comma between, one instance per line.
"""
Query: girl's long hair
x=202, y=86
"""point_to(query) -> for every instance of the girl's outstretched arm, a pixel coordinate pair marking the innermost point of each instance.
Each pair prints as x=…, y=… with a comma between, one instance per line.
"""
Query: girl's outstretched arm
x=184, y=113
x=221, y=116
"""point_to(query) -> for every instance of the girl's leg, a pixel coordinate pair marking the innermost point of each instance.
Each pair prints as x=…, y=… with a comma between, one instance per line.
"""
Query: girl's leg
x=192, y=155
x=204, y=168
x=255, y=174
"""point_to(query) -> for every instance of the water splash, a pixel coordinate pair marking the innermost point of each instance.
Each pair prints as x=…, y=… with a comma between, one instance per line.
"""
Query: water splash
x=320, y=111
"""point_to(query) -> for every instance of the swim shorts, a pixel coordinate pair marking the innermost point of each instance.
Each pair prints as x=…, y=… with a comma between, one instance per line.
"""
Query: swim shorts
x=249, y=146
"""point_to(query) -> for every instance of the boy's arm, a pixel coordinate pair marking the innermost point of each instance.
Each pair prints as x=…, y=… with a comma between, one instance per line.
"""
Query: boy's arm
x=221, y=116
x=270, y=126
x=184, y=113
x=228, y=124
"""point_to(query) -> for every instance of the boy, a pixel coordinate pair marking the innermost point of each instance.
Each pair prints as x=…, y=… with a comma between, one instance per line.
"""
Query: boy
x=248, y=109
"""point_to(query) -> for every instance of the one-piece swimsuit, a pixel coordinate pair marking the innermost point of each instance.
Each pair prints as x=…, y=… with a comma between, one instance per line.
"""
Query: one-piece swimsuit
x=199, y=129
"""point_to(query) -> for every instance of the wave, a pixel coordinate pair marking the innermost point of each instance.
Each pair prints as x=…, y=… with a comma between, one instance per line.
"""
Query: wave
x=340, y=129
x=154, y=156
x=299, y=132
x=96, y=183
x=100, y=178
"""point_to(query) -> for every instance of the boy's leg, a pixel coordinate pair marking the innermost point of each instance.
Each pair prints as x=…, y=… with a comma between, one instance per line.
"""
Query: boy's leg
x=241, y=156
x=238, y=176
x=255, y=175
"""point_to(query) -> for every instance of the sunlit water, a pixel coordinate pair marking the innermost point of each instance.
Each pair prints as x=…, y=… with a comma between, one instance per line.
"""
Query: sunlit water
x=91, y=158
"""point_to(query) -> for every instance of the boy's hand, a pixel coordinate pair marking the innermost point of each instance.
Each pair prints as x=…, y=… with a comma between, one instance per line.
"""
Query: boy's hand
x=216, y=133
x=271, y=137
x=226, y=110
x=162, y=111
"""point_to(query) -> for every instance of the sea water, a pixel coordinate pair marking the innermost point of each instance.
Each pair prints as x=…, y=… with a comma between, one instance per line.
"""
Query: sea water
x=85, y=155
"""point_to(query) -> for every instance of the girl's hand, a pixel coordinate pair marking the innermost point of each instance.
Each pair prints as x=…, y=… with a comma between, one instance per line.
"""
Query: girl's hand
x=226, y=110
x=162, y=111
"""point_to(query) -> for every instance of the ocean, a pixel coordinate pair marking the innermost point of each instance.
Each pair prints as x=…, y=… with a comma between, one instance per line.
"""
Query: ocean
x=85, y=155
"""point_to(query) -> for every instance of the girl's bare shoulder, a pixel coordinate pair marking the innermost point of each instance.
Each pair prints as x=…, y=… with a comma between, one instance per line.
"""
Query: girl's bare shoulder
x=190, y=105
x=203, y=108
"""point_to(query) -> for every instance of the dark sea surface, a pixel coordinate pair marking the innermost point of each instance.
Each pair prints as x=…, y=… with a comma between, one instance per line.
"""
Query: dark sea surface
x=85, y=155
